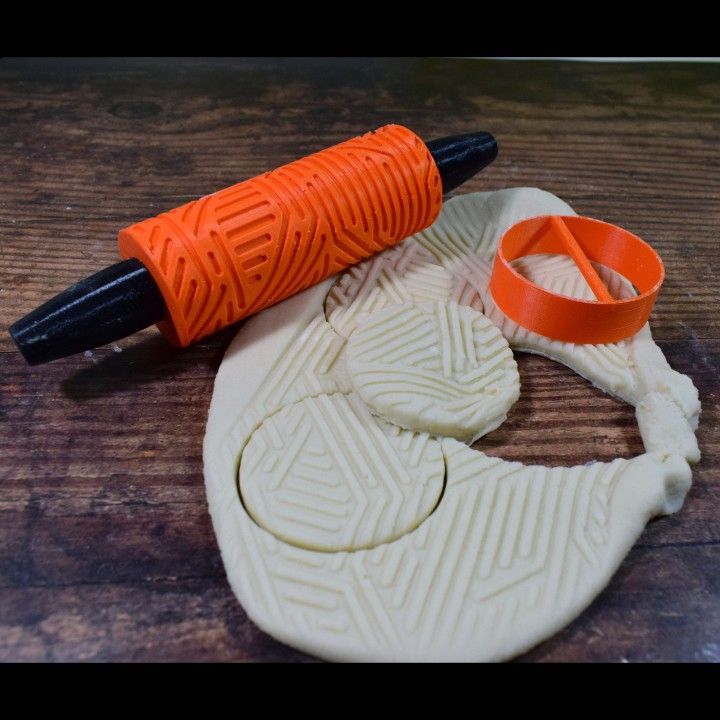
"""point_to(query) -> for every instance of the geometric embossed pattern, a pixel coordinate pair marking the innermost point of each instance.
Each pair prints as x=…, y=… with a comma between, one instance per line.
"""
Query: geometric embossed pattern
x=323, y=474
x=404, y=274
x=438, y=368
x=511, y=552
x=229, y=254
x=629, y=369
x=313, y=365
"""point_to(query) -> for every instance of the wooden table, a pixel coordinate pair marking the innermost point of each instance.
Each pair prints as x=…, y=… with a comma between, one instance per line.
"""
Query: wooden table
x=106, y=547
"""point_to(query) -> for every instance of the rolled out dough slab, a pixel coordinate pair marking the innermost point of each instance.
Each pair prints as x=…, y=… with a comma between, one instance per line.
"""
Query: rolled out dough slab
x=511, y=553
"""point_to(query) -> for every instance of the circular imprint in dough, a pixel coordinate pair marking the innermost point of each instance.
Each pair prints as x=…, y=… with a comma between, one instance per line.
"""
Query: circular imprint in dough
x=405, y=273
x=441, y=368
x=325, y=474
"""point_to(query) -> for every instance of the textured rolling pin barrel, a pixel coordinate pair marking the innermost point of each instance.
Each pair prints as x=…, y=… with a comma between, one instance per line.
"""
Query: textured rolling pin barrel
x=200, y=267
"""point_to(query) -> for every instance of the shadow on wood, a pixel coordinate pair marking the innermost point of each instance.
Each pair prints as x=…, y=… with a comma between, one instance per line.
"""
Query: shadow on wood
x=149, y=360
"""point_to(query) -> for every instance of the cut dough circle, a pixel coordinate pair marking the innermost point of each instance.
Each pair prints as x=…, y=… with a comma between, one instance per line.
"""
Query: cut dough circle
x=324, y=474
x=512, y=552
x=440, y=368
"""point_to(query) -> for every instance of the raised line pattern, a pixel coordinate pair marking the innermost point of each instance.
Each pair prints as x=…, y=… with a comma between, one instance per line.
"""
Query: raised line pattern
x=338, y=480
x=437, y=368
x=509, y=554
x=257, y=242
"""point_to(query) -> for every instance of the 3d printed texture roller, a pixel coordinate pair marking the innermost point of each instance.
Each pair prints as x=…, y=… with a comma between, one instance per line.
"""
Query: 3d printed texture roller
x=232, y=253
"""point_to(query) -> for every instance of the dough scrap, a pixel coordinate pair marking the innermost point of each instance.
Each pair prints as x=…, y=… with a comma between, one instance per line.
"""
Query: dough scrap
x=323, y=474
x=442, y=368
x=512, y=552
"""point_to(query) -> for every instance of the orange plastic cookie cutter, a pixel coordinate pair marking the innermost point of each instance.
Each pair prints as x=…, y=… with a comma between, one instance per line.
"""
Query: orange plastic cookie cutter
x=585, y=240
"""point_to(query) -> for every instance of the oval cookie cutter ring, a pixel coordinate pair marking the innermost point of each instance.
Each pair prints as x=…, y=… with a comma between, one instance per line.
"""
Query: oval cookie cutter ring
x=585, y=240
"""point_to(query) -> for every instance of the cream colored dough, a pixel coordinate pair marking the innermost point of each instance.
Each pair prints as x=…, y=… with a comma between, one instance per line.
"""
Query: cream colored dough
x=512, y=552
x=442, y=368
x=324, y=474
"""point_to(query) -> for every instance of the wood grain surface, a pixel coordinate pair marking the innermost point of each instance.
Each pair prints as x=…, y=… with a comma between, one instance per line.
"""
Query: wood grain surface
x=106, y=547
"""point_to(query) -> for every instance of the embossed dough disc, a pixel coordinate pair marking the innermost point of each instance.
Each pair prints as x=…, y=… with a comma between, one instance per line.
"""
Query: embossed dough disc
x=324, y=474
x=441, y=368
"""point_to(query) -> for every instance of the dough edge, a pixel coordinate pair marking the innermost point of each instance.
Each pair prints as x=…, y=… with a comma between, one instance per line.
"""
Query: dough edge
x=261, y=336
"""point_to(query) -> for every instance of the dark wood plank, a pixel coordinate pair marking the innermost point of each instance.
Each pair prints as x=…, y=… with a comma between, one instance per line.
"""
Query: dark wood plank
x=106, y=528
x=108, y=550
x=180, y=619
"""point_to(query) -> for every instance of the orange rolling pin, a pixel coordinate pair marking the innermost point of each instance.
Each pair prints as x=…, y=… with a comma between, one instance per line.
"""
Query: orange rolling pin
x=209, y=263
